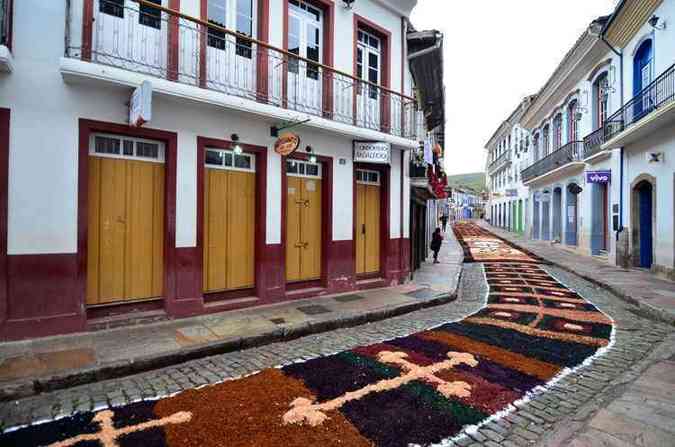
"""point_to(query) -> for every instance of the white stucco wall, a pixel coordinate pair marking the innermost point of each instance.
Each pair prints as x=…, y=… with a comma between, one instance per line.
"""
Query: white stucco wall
x=44, y=135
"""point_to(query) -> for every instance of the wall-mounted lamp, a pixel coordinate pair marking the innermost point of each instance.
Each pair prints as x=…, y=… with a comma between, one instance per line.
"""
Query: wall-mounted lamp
x=236, y=147
x=348, y=3
x=654, y=23
x=312, y=157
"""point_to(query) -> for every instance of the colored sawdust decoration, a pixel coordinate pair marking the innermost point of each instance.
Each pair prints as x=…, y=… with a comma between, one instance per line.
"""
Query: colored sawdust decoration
x=420, y=389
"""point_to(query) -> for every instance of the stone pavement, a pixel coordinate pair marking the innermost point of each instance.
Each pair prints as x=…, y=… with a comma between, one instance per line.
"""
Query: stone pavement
x=653, y=296
x=569, y=411
x=29, y=367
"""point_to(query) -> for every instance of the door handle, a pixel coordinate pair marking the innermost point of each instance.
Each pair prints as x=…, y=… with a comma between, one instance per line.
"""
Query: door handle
x=305, y=245
x=299, y=245
x=306, y=203
x=363, y=228
x=120, y=220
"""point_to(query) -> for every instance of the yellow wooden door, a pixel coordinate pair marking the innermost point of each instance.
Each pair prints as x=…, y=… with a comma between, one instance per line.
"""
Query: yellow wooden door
x=310, y=258
x=372, y=224
x=294, y=242
x=229, y=226
x=367, y=228
x=360, y=230
x=125, y=257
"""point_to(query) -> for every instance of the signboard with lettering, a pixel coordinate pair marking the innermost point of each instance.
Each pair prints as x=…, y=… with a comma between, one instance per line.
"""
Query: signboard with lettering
x=599, y=176
x=140, y=105
x=286, y=144
x=372, y=152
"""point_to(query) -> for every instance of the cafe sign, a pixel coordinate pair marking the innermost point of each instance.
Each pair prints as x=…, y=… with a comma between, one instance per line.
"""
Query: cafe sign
x=598, y=176
x=372, y=152
x=286, y=144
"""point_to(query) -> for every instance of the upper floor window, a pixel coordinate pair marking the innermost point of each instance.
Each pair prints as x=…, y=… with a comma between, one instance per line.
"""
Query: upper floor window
x=150, y=16
x=642, y=77
x=600, y=100
x=305, y=34
x=5, y=23
x=572, y=128
x=545, y=141
x=112, y=7
x=535, y=142
x=368, y=58
x=235, y=15
x=557, y=131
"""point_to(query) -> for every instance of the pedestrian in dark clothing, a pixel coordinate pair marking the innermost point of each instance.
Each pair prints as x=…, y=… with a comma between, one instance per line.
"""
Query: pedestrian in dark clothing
x=444, y=221
x=436, y=241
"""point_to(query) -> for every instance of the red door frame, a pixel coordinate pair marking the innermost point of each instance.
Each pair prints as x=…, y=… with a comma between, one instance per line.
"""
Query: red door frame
x=4, y=187
x=328, y=8
x=173, y=304
x=260, y=153
x=384, y=171
x=326, y=217
x=385, y=66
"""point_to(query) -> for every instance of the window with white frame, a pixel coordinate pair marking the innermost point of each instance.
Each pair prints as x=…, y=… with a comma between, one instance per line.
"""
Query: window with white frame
x=116, y=146
x=367, y=177
x=368, y=56
x=238, y=15
x=229, y=160
x=301, y=168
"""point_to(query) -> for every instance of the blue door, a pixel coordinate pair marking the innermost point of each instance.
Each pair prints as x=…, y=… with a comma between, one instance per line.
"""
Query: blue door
x=642, y=77
x=645, y=207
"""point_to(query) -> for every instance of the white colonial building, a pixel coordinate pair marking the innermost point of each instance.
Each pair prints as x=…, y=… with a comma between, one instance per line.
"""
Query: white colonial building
x=603, y=141
x=194, y=211
x=508, y=154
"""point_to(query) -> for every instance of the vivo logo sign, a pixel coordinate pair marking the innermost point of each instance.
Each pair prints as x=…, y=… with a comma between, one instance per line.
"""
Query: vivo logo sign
x=598, y=176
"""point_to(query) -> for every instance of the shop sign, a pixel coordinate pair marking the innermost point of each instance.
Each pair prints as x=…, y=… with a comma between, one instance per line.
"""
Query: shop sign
x=598, y=176
x=286, y=144
x=372, y=152
x=511, y=193
x=140, y=105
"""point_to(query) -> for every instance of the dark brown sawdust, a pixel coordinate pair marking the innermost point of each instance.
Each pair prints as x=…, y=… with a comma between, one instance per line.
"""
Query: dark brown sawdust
x=248, y=412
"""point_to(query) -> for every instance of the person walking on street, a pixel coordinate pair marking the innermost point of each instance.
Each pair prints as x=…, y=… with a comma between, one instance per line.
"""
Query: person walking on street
x=444, y=221
x=436, y=241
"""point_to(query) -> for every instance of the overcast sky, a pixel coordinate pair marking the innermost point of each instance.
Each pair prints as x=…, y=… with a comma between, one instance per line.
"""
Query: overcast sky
x=496, y=53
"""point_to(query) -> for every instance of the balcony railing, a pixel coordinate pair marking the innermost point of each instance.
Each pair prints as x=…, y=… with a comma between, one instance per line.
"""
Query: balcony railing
x=158, y=41
x=4, y=22
x=505, y=157
x=660, y=92
x=572, y=151
x=593, y=142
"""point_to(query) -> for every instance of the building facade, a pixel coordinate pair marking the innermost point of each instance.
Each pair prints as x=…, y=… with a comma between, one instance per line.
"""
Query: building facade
x=603, y=142
x=180, y=157
x=508, y=153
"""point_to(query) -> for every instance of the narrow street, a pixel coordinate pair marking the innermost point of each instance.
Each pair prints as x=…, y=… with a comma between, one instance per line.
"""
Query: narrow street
x=528, y=354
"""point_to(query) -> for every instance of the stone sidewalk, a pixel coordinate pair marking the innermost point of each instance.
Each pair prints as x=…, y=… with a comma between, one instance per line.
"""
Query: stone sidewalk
x=34, y=366
x=654, y=297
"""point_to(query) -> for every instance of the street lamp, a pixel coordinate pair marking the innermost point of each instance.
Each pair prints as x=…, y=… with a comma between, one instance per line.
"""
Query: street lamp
x=236, y=148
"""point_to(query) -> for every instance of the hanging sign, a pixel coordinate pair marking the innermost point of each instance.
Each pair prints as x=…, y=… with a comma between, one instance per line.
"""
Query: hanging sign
x=599, y=176
x=140, y=105
x=286, y=144
x=372, y=152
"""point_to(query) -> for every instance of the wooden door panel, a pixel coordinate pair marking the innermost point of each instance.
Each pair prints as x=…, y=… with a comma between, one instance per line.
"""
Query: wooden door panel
x=93, y=231
x=215, y=236
x=158, y=232
x=372, y=246
x=240, y=230
x=359, y=231
x=293, y=230
x=311, y=229
x=112, y=229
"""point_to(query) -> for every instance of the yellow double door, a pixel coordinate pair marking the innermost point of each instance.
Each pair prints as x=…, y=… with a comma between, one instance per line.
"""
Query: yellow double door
x=125, y=250
x=229, y=230
x=303, y=229
x=367, y=228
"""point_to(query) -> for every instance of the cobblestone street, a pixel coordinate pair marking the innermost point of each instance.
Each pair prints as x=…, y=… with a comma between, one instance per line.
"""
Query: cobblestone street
x=552, y=417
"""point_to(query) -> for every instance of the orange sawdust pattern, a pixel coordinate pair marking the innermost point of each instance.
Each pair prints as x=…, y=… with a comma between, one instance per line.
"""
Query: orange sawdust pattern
x=248, y=413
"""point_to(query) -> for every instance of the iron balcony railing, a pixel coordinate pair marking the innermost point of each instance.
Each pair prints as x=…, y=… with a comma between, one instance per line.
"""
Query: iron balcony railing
x=4, y=22
x=593, y=142
x=571, y=152
x=502, y=159
x=150, y=39
x=660, y=92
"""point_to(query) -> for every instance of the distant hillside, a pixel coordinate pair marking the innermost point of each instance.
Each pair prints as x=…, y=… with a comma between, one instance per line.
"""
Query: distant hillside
x=475, y=181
